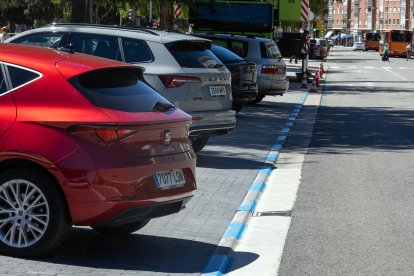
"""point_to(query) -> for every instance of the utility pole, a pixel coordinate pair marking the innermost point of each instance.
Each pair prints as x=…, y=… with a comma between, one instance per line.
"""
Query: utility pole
x=150, y=12
x=407, y=14
x=374, y=14
x=348, y=16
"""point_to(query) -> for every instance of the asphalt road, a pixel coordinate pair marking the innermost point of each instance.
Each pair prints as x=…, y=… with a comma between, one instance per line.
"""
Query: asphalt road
x=354, y=212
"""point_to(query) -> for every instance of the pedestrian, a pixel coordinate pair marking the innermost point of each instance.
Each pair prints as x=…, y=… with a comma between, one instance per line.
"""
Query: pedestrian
x=294, y=57
x=385, y=53
x=3, y=33
x=408, y=50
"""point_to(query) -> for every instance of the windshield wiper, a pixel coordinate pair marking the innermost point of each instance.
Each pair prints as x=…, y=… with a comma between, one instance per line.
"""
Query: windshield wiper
x=162, y=107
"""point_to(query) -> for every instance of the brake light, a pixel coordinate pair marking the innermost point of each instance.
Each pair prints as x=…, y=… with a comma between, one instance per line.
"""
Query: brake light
x=269, y=69
x=171, y=81
x=100, y=135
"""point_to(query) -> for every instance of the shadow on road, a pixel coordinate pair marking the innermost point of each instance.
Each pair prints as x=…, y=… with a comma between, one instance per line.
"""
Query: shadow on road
x=89, y=249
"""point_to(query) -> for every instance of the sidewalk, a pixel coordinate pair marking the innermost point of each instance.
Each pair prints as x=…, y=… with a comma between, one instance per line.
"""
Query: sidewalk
x=254, y=241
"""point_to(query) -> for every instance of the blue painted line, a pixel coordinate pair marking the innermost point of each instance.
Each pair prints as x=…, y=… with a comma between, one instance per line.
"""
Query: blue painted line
x=296, y=110
x=277, y=147
x=289, y=124
x=248, y=207
x=281, y=138
x=265, y=170
x=285, y=130
x=299, y=106
x=257, y=186
x=234, y=230
x=291, y=118
x=295, y=114
x=217, y=265
x=272, y=157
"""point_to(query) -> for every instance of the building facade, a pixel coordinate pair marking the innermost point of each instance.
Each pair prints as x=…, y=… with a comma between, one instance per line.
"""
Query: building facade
x=389, y=14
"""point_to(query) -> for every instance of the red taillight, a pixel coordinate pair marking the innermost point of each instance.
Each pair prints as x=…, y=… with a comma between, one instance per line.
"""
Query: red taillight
x=269, y=69
x=100, y=135
x=171, y=81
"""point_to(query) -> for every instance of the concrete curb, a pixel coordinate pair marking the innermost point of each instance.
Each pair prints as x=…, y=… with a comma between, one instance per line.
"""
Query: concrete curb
x=220, y=261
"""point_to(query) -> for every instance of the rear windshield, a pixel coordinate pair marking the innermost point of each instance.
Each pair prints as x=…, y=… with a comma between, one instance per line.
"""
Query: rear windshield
x=322, y=42
x=119, y=89
x=194, y=54
x=226, y=56
x=269, y=50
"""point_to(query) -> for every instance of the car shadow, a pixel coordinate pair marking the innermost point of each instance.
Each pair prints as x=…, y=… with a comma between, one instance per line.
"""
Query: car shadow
x=85, y=248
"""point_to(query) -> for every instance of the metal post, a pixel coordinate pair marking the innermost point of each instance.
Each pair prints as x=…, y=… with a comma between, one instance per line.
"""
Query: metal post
x=150, y=12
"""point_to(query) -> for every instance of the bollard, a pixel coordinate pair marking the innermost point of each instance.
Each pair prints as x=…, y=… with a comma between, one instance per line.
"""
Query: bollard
x=304, y=84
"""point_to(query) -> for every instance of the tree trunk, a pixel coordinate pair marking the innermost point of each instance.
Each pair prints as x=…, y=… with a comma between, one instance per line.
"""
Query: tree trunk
x=348, y=16
x=407, y=14
x=374, y=14
x=78, y=11
x=166, y=14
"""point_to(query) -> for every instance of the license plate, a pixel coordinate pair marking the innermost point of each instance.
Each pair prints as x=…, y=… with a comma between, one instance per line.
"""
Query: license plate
x=281, y=70
x=217, y=91
x=169, y=179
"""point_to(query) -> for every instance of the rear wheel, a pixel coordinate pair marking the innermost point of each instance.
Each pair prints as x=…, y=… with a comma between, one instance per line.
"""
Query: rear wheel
x=258, y=99
x=33, y=215
x=199, y=143
x=124, y=229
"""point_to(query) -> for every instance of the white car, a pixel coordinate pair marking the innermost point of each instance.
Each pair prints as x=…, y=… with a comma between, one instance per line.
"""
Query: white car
x=359, y=46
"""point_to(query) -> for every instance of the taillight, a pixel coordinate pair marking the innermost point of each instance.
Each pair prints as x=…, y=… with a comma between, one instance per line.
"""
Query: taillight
x=100, y=134
x=269, y=69
x=171, y=81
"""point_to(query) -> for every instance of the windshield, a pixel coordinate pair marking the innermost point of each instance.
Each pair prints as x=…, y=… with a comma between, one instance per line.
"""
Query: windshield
x=236, y=17
x=195, y=54
x=372, y=37
x=400, y=36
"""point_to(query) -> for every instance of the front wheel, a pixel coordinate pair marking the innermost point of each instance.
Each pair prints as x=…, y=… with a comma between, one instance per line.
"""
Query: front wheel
x=199, y=143
x=124, y=229
x=33, y=215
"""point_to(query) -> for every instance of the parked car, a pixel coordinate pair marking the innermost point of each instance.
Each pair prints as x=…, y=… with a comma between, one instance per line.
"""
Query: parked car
x=243, y=76
x=318, y=48
x=271, y=69
x=180, y=67
x=84, y=141
x=358, y=46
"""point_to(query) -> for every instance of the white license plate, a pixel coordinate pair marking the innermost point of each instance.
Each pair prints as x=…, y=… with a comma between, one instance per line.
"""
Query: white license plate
x=169, y=179
x=217, y=91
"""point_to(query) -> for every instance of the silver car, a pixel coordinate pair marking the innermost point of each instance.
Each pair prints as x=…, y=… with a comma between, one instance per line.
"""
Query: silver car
x=180, y=67
x=271, y=69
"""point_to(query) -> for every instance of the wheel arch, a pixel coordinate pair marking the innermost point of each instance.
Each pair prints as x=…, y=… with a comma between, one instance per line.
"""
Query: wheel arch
x=16, y=162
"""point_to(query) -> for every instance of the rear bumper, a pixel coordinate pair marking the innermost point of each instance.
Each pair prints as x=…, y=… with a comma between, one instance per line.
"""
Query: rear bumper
x=212, y=123
x=244, y=94
x=272, y=87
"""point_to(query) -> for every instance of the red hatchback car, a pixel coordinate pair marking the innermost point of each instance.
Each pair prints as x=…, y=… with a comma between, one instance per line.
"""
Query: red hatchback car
x=84, y=141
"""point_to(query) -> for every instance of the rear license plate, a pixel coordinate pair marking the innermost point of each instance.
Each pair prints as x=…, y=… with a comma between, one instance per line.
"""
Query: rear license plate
x=281, y=70
x=169, y=179
x=217, y=91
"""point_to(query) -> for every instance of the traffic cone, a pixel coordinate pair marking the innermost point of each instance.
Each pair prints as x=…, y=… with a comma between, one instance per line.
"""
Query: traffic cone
x=304, y=84
x=319, y=73
x=316, y=78
x=321, y=68
x=313, y=87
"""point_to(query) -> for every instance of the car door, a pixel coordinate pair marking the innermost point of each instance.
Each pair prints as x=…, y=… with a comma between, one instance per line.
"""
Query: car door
x=7, y=105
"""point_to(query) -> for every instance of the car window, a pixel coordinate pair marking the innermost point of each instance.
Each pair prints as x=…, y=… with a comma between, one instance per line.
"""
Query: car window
x=119, y=89
x=224, y=54
x=194, y=54
x=50, y=40
x=220, y=42
x=269, y=50
x=239, y=47
x=3, y=87
x=20, y=76
x=97, y=45
x=136, y=51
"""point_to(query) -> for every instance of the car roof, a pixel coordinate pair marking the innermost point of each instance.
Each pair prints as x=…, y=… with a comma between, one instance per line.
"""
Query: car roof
x=44, y=59
x=242, y=37
x=148, y=34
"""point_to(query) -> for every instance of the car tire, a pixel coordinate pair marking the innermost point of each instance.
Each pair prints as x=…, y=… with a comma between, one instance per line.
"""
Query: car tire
x=31, y=200
x=199, y=143
x=124, y=229
x=258, y=99
x=237, y=107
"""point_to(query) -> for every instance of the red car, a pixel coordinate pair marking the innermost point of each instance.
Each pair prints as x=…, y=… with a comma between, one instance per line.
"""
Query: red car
x=84, y=141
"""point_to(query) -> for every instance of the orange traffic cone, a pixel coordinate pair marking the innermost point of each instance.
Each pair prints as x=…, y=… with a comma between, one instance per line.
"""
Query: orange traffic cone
x=313, y=87
x=316, y=78
x=321, y=68
x=319, y=73
x=304, y=84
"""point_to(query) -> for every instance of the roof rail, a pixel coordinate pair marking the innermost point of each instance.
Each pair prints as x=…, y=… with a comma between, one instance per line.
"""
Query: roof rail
x=143, y=29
